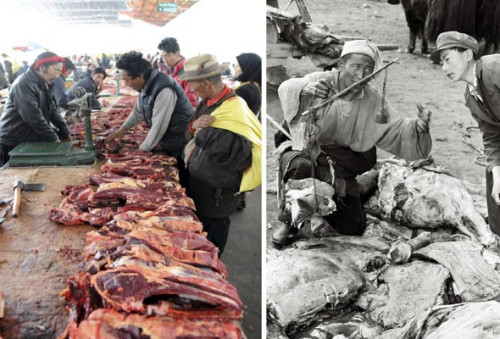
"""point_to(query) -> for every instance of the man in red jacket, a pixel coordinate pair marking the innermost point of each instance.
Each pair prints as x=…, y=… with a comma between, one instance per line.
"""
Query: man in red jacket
x=171, y=56
x=457, y=53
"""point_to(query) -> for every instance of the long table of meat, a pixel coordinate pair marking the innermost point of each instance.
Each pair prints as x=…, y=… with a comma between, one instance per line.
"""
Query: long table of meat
x=124, y=254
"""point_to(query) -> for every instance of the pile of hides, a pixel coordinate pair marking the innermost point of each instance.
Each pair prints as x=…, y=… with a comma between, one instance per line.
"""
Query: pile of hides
x=352, y=287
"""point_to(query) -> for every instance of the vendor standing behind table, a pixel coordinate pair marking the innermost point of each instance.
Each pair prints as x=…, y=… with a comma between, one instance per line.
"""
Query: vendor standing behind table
x=171, y=56
x=161, y=103
x=59, y=86
x=248, y=71
x=91, y=84
x=30, y=107
x=223, y=155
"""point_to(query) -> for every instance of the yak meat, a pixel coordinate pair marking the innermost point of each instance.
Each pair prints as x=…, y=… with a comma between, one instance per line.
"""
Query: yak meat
x=104, y=323
x=137, y=289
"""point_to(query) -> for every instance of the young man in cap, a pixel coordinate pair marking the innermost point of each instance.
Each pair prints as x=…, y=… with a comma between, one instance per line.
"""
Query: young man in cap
x=458, y=54
x=342, y=137
x=171, y=56
x=161, y=103
x=30, y=107
x=223, y=155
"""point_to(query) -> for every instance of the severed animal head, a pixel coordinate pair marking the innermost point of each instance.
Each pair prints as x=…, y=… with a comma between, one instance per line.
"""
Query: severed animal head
x=308, y=197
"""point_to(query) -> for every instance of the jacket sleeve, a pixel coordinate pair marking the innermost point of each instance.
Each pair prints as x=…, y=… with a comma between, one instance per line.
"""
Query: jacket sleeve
x=192, y=96
x=491, y=132
x=58, y=121
x=26, y=101
x=220, y=151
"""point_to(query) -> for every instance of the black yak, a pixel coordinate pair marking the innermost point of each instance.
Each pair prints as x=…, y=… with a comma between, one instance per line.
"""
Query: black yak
x=416, y=15
x=428, y=18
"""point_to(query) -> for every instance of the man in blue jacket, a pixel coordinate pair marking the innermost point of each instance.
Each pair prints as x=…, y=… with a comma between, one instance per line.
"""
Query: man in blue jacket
x=91, y=84
x=457, y=53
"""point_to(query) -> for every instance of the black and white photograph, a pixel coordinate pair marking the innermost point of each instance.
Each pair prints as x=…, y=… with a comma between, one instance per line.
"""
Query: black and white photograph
x=383, y=144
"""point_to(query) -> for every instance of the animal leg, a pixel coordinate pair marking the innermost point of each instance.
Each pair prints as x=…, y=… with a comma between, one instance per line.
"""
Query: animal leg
x=411, y=42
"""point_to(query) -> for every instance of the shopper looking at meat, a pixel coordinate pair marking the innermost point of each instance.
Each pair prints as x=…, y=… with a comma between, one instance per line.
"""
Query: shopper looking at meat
x=248, y=73
x=337, y=142
x=91, y=84
x=30, y=107
x=223, y=155
x=161, y=103
x=171, y=56
x=457, y=53
x=59, y=86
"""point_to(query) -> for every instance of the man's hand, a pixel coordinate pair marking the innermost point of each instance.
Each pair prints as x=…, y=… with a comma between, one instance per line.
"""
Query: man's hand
x=203, y=121
x=66, y=138
x=424, y=118
x=118, y=135
x=317, y=89
x=495, y=186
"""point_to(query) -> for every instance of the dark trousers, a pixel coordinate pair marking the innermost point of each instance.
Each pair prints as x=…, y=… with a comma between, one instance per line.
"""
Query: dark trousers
x=349, y=219
x=493, y=208
x=217, y=230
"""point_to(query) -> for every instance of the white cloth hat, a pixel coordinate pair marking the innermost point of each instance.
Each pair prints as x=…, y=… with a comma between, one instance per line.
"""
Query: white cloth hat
x=363, y=47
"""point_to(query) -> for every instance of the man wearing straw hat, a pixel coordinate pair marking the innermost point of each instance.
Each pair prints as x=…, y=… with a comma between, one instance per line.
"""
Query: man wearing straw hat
x=223, y=155
x=339, y=140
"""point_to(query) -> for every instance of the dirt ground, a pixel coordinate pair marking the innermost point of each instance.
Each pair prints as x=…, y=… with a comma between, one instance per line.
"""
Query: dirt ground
x=414, y=78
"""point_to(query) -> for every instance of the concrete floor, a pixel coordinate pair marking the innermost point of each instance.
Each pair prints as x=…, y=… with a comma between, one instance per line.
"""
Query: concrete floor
x=242, y=255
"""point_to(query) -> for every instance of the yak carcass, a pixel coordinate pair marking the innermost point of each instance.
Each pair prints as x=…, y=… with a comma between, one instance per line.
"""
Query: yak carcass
x=419, y=198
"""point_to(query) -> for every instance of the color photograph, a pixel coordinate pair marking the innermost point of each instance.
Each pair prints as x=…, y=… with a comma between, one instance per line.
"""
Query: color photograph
x=130, y=180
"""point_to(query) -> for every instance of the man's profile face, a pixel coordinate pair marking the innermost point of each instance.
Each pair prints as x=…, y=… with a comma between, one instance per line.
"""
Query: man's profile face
x=170, y=58
x=454, y=64
x=50, y=73
x=355, y=67
x=199, y=87
x=136, y=83
x=98, y=79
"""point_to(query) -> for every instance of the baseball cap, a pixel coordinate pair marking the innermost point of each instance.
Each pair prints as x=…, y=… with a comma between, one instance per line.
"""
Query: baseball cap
x=451, y=39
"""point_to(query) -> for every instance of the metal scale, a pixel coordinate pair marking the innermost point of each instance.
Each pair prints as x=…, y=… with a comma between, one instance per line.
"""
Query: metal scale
x=59, y=153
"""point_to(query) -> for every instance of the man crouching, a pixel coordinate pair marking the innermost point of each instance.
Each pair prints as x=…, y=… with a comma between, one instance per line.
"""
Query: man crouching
x=338, y=140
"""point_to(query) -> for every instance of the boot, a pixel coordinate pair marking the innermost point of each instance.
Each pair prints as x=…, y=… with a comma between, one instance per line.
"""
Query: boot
x=285, y=234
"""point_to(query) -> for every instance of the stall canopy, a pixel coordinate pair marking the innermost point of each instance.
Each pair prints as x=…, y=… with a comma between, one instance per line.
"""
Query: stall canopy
x=117, y=12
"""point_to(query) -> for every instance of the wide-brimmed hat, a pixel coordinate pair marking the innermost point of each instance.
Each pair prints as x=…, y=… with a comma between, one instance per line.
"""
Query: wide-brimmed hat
x=202, y=67
x=452, y=39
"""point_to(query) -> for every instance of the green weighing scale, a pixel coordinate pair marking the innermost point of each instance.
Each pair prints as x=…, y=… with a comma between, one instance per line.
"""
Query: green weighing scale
x=59, y=153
